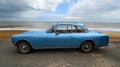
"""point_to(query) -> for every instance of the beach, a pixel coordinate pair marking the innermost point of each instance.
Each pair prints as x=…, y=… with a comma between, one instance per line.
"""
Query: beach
x=5, y=35
x=7, y=28
x=113, y=36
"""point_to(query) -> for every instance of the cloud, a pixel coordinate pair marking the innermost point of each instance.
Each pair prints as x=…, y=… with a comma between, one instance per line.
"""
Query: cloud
x=12, y=6
x=45, y=5
x=94, y=10
x=82, y=10
x=28, y=8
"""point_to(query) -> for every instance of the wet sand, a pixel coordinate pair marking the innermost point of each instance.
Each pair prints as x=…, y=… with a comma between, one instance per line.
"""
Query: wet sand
x=5, y=35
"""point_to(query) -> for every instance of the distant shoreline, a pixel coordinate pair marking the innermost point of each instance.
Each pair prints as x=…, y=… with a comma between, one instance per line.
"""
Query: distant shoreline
x=8, y=28
x=26, y=25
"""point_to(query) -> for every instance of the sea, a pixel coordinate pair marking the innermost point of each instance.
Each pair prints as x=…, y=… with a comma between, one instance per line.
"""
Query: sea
x=37, y=25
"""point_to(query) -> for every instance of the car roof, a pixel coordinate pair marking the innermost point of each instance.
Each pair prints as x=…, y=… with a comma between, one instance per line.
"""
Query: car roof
x=74, y=23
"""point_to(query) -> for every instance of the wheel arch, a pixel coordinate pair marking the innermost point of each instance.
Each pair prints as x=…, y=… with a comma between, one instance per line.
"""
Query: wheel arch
x=88, y=41
x=24, y=41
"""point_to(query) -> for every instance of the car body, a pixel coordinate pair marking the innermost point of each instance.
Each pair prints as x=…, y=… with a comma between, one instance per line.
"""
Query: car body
x=61, y=35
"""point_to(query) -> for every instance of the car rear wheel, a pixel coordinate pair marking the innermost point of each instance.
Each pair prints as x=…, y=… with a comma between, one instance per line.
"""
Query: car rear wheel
x=87, y=46
x=23, y=47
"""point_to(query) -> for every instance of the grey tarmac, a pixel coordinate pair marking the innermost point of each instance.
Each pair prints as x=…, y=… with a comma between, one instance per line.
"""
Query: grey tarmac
x=108, y=56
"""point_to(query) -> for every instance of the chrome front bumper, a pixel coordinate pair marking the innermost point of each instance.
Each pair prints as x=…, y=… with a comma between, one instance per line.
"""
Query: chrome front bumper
x=13, y=46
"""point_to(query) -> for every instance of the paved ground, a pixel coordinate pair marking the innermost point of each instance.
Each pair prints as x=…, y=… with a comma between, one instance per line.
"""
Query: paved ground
x=100, y=57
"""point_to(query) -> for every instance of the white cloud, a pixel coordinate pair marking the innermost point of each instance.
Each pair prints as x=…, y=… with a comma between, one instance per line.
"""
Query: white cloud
x=95, y=10
x=28, y=8
x=45, y=5
x=30, y=14
x=112, y=14
x=82, y=10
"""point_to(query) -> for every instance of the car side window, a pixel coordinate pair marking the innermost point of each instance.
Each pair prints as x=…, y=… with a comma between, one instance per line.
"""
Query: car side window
x=62, y=29
x=77, y=29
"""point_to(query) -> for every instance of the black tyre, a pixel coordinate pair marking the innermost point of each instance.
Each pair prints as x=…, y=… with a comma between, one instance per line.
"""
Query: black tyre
x=87, y=46
x=23, y=47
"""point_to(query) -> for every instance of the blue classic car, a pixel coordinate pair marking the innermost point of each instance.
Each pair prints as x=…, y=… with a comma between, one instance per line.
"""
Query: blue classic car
x=60, y=35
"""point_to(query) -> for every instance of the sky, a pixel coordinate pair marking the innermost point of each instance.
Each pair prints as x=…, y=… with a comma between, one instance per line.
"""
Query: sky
x=60, y=10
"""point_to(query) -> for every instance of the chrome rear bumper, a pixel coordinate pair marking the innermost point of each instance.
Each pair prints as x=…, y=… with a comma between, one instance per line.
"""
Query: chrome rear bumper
x=109, y=44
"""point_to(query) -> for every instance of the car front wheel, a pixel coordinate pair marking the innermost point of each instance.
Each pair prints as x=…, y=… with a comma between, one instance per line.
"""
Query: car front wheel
x=87, y=46
x=23, y=47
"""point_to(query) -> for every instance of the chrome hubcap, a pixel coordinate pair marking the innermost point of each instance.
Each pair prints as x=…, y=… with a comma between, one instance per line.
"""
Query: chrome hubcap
x=86, y=46
x=24, y=48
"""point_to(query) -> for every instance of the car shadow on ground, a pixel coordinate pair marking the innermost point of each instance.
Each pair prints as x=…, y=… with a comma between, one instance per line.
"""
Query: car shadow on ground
x=95, y=50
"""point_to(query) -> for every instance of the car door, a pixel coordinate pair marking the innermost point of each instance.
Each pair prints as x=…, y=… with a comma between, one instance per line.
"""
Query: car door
x=61, y=37
x=79, y=35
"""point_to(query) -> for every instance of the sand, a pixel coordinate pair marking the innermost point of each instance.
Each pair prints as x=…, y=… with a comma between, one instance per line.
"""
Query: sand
x=114, y=36
x=5, y=35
